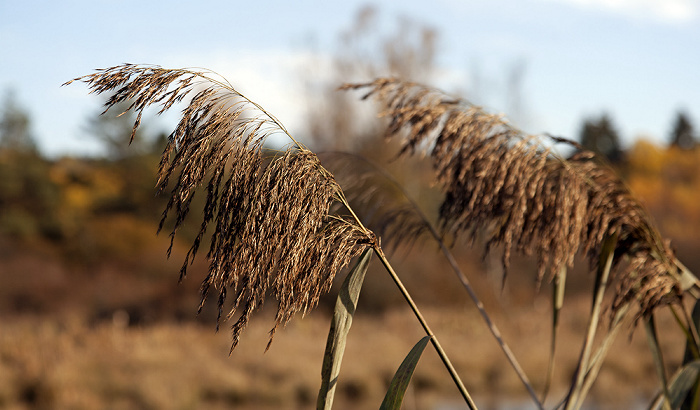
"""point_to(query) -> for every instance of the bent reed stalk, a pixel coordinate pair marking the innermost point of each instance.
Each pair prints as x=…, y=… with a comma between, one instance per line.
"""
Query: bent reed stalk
x=273, y=229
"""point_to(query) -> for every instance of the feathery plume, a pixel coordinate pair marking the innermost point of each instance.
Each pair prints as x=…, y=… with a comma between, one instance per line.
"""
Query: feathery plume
x=273, y=232
x=498, y=180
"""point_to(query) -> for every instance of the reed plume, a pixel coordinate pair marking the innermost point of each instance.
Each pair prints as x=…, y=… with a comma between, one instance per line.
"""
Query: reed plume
x=515, y=188
x=270, y=212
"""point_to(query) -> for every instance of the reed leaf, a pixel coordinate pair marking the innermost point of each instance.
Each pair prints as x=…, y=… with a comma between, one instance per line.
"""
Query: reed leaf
x=681, y=385
x=691, y=354
x=340, y=327
x=402, y=377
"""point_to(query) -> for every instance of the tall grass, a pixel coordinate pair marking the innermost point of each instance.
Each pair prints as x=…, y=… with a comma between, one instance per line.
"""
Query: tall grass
x=280, y=226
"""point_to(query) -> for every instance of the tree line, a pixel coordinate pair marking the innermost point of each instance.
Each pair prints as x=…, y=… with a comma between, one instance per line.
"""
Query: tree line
x=600, y=135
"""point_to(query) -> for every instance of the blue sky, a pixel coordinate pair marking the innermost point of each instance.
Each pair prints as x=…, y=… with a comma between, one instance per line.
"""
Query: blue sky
x=638, y=60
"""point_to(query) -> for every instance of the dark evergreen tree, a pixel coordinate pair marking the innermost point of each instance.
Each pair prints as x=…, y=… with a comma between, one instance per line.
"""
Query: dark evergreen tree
x=600, y=136
x=683, y=134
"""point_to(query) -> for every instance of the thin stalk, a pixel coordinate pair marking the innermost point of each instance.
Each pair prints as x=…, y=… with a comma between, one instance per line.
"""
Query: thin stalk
x=574, y=401
x=492, y=326
x=558, y=289
x=226, y=84
x=597, y=362
x=407, y=296
x=691, y=332
x=434, y=340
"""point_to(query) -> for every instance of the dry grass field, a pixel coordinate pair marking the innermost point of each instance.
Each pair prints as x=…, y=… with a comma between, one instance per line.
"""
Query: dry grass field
x=66, y=363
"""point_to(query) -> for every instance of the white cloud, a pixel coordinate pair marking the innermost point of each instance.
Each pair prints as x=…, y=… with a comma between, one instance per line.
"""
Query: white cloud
x=669, y=11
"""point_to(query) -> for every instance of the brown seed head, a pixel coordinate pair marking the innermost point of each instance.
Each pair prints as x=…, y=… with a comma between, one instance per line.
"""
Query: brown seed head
x=510, y=185
x=270, y=213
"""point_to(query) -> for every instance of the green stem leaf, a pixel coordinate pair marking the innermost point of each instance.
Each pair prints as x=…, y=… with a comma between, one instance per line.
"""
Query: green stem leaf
x=399, y=384
x=340, y=327
x=682, y=382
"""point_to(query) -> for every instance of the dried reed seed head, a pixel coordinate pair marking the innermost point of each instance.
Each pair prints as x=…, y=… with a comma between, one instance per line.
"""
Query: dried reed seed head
x=285, y=244
x=499, y=180
x=646, y=279
x=272, y=230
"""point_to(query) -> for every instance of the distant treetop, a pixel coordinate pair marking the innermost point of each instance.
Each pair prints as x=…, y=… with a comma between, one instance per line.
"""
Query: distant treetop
x=682, y=135
x=600, y=136
x=15, y=126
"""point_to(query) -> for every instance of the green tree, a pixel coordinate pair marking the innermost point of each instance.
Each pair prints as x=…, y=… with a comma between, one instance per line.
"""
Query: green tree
x=28, y=198
x=682, y=134
x=600, y=136
x=15, y=127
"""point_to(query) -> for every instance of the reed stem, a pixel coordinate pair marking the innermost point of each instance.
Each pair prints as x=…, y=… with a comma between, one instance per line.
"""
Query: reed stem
x=434, y=340
x=575, y=399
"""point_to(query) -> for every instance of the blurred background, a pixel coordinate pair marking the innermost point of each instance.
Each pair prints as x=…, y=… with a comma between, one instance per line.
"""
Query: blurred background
x=91, y=312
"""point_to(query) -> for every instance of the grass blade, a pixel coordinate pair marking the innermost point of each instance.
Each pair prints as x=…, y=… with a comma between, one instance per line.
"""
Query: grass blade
x=399, y=384
x=340, y=326
x=682, y=382
x=652, y=339
x=692, y=346
x=692, y=349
